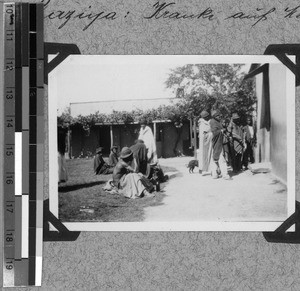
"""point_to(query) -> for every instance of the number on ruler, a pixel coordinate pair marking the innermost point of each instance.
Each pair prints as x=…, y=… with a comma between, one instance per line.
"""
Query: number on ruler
x=9, y=8
x=9, y=68
x=9, y=151
x=9, y=64
x=9, y=237
x=9, y=264
x=9, y=94
x=9, y=35
x=9, y=122
x=9, y=180
x=9, y=207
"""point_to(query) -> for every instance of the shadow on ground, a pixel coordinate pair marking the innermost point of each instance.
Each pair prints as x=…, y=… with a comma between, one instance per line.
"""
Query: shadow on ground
x=70, y=188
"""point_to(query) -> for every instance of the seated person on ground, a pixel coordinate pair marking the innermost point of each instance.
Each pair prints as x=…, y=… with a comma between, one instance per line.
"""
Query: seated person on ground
x=100, y=167
x=139, y=151
x=157, y=174
x=153, y=171
x=126, y=180
x=113, y=156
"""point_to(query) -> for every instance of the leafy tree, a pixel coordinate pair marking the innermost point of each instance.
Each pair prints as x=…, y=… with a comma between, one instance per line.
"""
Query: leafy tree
x=163, y=112
x=65, y=119
x=242, y=101
x=211, y=86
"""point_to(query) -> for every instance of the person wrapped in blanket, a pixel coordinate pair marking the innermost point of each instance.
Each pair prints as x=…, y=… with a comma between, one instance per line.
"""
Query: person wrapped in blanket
x=219, y=165
x=100, y=166
x=226, y=141
x=238, y=145
x=129, y=183
x=250, y=141
x=139, y=151
x=113, y=156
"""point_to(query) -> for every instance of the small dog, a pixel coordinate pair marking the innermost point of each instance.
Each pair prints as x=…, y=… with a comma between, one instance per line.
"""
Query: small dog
x=192, y=164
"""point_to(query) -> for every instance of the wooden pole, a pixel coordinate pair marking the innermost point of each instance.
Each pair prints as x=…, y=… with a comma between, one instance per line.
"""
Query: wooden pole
x=191, y=133
x=154, y=130
x=195, y=139
x=69, y=143
x=111, y=136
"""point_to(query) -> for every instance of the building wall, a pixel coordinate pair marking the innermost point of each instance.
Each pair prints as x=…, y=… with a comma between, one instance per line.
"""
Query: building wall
x=77, y=142
x=278, y=132
x=125, y=135
x=169, y=136
x=262, y=150
x=83, y=143
x=272, y=145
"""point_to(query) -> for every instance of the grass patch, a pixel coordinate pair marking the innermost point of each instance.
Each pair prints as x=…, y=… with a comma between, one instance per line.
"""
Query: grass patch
x=82, y=198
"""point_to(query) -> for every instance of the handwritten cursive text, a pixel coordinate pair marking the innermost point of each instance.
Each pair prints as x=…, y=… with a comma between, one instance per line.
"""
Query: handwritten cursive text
x=160, y=11
x=254, y=16
x=67, y=15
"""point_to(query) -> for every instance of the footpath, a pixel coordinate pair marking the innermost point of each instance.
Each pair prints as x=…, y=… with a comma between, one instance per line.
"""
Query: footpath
x=193, y=197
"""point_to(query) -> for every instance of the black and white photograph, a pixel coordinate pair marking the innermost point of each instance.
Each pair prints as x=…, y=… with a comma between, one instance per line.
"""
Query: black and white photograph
x=173, y=142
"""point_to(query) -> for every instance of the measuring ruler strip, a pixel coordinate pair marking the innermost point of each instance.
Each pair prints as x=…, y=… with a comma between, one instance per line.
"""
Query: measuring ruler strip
x=32, y=144
x=9, y=151
x=18, y=144
x=24, y=143
x=20, y=238
x=40, y=142
x=24, y=264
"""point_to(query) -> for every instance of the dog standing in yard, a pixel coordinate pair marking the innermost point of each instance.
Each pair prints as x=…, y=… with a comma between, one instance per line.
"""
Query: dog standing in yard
x=192, y=164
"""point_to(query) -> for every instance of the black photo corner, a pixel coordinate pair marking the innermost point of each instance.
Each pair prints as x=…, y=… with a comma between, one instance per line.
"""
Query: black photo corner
x=62, y=51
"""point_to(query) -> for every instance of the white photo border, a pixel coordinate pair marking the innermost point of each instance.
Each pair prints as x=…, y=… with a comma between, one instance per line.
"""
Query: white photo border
x=175, y=225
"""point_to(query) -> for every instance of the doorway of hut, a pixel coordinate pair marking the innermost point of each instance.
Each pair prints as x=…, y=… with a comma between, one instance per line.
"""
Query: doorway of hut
x=104, y=139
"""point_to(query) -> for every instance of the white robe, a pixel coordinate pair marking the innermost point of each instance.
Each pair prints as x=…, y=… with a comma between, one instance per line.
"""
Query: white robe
x=147, y=136
x=205, y=146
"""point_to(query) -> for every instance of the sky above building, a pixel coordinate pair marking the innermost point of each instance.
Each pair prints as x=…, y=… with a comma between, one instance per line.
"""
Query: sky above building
x=105, y=78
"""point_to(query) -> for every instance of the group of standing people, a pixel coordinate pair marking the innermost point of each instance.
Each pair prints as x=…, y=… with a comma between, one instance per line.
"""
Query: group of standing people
x=130, y=170
x=224, y=143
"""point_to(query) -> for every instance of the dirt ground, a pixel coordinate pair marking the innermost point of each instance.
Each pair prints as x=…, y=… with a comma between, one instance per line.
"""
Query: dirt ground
x=193, y=197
